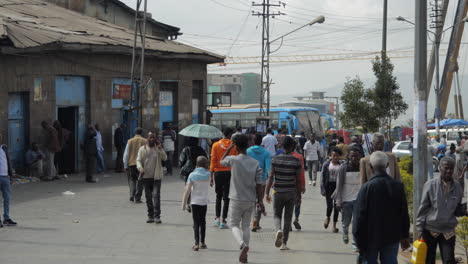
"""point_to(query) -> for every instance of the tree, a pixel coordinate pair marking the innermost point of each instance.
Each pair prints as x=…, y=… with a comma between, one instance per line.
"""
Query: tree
x=358, y=109
x=388, y=101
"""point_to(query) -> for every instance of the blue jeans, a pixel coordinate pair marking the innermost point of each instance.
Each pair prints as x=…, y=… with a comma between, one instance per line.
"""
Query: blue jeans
x=100, y=161
x=5, y=187
x=388, y=254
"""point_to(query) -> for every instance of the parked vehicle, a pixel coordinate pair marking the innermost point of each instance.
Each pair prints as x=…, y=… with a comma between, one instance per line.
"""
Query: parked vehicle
x=401, y=149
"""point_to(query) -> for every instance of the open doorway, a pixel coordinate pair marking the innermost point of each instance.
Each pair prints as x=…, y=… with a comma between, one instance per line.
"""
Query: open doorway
x=67, y=159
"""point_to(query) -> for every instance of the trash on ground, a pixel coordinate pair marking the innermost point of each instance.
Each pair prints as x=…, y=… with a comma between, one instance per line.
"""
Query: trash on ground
x=68, y=193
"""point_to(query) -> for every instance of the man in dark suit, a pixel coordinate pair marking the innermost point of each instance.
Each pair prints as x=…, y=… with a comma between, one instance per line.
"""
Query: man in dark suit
x=119, y=143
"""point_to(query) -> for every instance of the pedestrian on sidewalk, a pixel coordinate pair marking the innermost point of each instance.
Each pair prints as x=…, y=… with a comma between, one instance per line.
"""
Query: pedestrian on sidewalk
x=343, y=147
x=312, y=152
x=129, y=160
x=285, y=178
x=393, y=170
x=328, y=186
x=34, y=158
x=50, y=145
x=119, y=143
x=441, y=204
x=90, y=153
x=6, y=175
x=356, y=144
x=100, y=150
x=367, y=140
x=197, y=188
x=149, y=164
x=381, y=219
x=169, y=138
x=246, y=191
x=297, y=205
x=221, y=176
x=270, y=143
x=347, y=188
x=264, y=159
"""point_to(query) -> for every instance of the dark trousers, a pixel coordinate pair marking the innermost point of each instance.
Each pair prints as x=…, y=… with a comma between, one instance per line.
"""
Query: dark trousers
x=168, y=162
x=446, y=247
x=331, y=207
x=119, y=161
x=283, y=201
x=136, y=186
x=297, y=210
x=222, y=184
x=90, y=161
x=199, y=222
x=153, y=197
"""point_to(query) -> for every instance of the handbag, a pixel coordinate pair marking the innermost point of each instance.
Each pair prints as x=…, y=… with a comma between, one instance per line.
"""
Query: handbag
x=188, y=167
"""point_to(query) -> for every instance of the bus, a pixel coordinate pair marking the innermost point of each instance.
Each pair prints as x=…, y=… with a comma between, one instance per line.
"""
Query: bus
x=293, y=119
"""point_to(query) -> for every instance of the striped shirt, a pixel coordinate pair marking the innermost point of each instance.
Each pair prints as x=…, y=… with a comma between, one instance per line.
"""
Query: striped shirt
x=287, y=170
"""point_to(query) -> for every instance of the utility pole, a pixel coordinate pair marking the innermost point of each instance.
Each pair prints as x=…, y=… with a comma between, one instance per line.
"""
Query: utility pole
x=461, y=115
x=437, y=24
x=138, y=64
x=420, y=106
x=265, y=69
x=384, y=32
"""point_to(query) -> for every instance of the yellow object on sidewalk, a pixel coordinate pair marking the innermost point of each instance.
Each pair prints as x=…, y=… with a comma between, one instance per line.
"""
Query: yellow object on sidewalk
x=419, y=252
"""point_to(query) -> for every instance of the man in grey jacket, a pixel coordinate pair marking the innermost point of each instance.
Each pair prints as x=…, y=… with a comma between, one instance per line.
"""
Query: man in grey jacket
x=436, y=219
x=149, y=164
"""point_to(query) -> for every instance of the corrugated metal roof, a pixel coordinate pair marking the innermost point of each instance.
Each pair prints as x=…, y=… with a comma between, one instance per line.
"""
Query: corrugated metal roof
x=36, y=26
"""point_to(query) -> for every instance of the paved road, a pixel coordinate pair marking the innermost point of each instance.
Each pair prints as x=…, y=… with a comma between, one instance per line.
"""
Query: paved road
x=99, y=225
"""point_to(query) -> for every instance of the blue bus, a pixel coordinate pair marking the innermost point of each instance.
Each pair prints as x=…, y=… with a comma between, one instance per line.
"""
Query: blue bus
x=296, y=119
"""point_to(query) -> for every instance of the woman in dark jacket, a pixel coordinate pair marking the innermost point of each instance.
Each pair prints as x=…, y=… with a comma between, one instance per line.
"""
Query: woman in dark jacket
x=328, y=185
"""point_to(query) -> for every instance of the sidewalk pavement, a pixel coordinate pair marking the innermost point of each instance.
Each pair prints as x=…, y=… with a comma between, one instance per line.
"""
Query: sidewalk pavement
x=98, y=225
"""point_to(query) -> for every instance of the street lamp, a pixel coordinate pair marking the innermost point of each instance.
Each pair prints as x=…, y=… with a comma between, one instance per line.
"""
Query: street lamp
x=319, y=19
x=436, y=43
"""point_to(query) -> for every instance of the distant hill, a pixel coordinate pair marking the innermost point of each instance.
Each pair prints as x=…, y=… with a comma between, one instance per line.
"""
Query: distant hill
x=406, y=81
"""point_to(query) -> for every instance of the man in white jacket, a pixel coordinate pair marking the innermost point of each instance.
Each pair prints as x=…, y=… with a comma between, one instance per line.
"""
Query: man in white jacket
x=149, y=164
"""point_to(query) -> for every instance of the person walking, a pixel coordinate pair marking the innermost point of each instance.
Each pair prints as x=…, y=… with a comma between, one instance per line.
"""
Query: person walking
x=34, y=158
x=246, y=192
x=367, y=140
x=328, y=186
x=297, y=205
x=169, y=138
x=270, y=143
x=380, y=219
x=221, y=176
x=197, y=187
x=50, y=145
x=286, y=177
x=264, y=159
x=119, y=143
x=100, y=150
x=6, y=174
x=90, y=153
x=312, y=152
x=393, y=169
x=347, y=188
x=149, y=165
x=129, y=160
x=343, y=147
x=437, y=215
x=356, y=144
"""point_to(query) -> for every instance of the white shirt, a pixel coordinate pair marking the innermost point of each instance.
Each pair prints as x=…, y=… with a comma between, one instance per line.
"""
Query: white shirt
x=200, y=181
x=351, y=186
x=3, y=163
x=269, y=142
x=312, y=150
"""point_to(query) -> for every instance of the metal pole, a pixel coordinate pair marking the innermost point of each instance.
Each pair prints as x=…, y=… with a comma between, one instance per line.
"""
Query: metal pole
x=437, y=87
x=460, y=102
x=142, y=65
x=267, y=69
x=384, y=32
x=420, y=106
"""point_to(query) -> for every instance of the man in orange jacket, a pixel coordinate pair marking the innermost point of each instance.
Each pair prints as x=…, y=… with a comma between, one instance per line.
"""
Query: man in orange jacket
x=221, y=176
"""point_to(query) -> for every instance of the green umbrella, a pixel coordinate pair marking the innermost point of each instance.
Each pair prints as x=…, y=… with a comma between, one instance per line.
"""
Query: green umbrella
x=201, y=131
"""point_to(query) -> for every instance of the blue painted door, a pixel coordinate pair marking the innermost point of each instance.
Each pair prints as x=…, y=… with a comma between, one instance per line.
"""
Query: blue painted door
x=166, y=108
x=16, y=127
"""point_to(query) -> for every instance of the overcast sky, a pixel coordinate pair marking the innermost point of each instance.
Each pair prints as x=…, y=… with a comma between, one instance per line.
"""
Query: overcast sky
x=227, y=27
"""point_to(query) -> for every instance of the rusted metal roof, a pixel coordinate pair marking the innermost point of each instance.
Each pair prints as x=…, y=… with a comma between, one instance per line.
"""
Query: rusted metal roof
x=28, y=26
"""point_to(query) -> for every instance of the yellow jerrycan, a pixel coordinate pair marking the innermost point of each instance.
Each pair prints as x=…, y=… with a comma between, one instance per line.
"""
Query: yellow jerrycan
x=419, y=252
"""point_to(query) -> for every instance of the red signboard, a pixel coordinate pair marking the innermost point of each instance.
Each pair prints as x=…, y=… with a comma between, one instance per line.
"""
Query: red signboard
x=121, y=91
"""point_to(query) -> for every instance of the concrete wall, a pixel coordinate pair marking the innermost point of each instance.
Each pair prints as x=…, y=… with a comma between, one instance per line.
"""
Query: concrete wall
x=17, y=74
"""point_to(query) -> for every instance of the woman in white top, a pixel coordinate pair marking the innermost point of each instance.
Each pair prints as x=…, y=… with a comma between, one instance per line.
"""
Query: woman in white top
x=328, y=186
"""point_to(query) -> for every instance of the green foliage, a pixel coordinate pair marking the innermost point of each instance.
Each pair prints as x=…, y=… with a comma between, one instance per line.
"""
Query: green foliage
x=462, y=233
x=406, y=171
x=388, y=101
x=358, y=109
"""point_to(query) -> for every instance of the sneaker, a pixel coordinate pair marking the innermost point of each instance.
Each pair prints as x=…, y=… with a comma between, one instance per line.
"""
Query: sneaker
x=310, y=182
x=279, y=239
x=150, y=220
x=284, y=247
x=217, y=223
x=314, y=183
x=243, y=255
x=158, y=221
x=132, y=199
x=203, y=246
x=345, y=238
x=9, y=222
x=335, y=230
x=223, y=226
x=297, y=225
x=195, y=248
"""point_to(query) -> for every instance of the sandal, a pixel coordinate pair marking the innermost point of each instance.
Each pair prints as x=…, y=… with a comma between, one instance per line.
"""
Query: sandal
x=335, y=230
x=195, y=248
x=326, y=223
x=203, y=246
